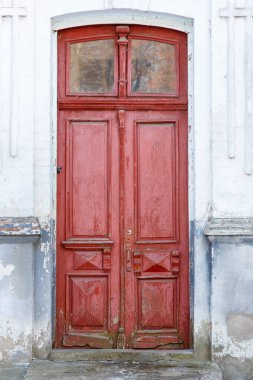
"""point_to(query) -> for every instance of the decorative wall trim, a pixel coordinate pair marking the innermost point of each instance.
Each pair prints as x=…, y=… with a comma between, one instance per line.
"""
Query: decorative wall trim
x=248, y=117
x=229, y=228
x=1, y=97
x=122, y=16
x=12, y=12
x=19, y=230
x=228, y=13
x=243, y=9
x=15, y=13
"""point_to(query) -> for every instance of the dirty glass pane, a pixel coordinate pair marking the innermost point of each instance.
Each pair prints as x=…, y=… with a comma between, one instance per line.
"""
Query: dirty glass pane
x=153, y=67
x=92, y=66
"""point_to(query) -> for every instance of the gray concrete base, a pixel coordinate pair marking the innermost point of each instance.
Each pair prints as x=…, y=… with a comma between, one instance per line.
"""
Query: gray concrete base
x=13, y=372
x=128, y=370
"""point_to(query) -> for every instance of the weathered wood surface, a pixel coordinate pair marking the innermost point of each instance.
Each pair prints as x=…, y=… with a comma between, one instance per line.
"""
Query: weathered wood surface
x=122, y=227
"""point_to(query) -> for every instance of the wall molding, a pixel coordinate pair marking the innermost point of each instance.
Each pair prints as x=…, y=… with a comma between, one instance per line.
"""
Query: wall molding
x=248, y=74
x=240, y=9
x=15, y=13
x=1, y=97
x=119, y=16
x=228, y=14
x=19, y=230
x=229, y=229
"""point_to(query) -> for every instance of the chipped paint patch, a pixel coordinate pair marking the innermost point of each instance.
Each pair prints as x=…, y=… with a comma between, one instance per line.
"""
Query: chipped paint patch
x=16, y=349
x=240, y=326
x=115, y=319
x=19, y=226
x=5, y=270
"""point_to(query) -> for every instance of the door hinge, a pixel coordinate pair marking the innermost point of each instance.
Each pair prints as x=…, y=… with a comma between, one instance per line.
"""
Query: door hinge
x=59, y=169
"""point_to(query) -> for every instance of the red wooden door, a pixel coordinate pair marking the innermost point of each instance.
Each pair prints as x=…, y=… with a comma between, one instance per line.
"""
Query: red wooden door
x=122, y=219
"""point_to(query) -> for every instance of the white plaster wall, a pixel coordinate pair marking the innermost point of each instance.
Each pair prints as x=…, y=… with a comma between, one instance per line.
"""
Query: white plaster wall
x=232, y=308
x=16, y=306
x=16, y=173
x=232, y=187
x=232, y=300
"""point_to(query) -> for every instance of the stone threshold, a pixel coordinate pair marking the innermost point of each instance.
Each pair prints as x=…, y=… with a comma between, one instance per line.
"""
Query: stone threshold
x=120, y=355
x=121, y=369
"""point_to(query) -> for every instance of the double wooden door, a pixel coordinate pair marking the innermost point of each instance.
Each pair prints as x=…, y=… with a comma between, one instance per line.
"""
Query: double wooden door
x=122, y=219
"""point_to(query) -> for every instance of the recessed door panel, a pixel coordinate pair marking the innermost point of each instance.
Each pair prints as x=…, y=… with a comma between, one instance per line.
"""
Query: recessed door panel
x=156, y=313
x=87, y=302
x=87, y=177
x=156, y=149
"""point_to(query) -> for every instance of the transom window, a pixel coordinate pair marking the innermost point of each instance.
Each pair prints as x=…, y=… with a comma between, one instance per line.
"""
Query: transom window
x=153, y=67
x=92, y=67
x=123, y=62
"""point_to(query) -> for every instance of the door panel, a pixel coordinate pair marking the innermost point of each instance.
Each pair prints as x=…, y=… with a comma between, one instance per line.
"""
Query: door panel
x=155, y=152
x=156, y=234
x=87, y=179
x=88, y=231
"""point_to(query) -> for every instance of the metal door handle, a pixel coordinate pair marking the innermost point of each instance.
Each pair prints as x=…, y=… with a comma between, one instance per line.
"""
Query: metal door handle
x=128, y=258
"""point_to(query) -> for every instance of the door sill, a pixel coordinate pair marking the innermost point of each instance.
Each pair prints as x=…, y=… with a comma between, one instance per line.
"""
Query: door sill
x=73, y=355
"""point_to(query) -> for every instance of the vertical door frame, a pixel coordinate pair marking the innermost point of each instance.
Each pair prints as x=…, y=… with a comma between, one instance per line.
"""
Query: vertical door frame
x=123, y=17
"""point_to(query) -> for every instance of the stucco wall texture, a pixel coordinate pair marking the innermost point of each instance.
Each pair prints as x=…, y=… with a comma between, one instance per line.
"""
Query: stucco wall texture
x=220, y=167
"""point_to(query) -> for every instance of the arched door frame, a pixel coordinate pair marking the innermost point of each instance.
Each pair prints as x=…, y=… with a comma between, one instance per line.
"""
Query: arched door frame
x=121, y=16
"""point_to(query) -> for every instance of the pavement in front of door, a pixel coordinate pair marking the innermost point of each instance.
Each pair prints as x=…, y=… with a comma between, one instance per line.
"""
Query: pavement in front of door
x=13, y=372
x=105, y=370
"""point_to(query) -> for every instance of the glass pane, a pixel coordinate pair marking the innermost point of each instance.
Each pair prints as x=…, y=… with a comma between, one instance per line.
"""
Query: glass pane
x=92, y=66
x=153, y=67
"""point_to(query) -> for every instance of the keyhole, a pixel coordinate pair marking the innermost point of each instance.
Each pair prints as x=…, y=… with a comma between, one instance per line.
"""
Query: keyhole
x=157, y=144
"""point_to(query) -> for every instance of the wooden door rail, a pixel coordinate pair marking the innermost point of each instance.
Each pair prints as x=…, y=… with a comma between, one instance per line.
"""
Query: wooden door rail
x=127, y=104
x=85, y=244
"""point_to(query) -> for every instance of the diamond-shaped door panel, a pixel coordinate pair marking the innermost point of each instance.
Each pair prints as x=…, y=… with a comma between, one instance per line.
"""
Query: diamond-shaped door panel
x=159, y=261
x=88, y=260
x=87, y=301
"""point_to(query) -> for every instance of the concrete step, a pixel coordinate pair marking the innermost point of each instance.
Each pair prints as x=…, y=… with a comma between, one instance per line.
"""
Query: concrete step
x=120, y=355
x=77, y=364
